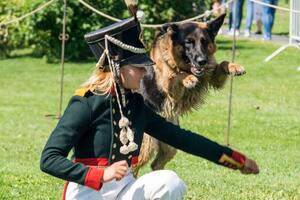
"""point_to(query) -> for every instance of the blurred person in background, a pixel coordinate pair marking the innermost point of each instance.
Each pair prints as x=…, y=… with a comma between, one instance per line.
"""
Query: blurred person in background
x=254, y=13
x=268, y=18
x=235, y=17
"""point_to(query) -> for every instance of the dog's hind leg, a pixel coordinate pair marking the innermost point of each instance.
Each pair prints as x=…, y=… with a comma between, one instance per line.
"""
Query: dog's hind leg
x=164, y=155
x=149, y=146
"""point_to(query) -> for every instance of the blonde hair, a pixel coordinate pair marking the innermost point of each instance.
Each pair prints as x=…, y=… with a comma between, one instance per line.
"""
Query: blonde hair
x=100, y=82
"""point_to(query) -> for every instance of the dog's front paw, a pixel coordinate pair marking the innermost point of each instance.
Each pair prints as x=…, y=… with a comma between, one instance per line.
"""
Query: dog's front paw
x=190, y=81
x=236, y=69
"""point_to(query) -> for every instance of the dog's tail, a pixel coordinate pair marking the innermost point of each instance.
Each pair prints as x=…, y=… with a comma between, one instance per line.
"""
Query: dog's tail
x=149, y=146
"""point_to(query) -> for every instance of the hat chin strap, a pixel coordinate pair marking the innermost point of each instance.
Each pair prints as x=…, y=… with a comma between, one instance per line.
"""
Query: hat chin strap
x=101, y=60
x=120, y=44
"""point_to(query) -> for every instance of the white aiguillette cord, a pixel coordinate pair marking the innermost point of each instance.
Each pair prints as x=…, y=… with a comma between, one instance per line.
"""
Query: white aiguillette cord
x=126, y=133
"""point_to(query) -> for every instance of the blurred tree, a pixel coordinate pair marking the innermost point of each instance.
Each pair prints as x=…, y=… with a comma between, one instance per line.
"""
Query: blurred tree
x=44, y=28
x=13, y=35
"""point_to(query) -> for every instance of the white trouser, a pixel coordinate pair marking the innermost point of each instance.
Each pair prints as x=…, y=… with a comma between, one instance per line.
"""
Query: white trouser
x=161, y=184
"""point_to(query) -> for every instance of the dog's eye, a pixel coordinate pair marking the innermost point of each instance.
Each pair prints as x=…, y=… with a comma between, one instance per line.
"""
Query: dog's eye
x=190, y=41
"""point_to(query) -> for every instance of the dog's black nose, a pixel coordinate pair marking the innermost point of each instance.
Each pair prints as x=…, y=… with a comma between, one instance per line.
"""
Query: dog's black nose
x=202, y=62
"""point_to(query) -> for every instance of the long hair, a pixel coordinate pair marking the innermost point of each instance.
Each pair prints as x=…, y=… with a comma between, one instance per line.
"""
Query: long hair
x=100, y=82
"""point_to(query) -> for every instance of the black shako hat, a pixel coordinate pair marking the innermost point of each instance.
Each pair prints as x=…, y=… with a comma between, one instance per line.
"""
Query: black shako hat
x=122, y=40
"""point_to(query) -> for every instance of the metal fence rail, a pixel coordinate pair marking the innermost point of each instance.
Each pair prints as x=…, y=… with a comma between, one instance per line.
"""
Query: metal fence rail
x=295, y=21
x=294, y=32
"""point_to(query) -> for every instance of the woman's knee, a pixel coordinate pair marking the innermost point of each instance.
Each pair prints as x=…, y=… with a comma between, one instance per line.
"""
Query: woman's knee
x=172, y=182
x=161, y=184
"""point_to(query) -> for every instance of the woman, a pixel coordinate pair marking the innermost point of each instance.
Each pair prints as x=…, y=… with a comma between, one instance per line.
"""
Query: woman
x=104, y=124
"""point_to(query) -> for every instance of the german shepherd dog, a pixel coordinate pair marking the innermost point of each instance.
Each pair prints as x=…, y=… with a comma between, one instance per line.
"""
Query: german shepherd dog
x=184, y=72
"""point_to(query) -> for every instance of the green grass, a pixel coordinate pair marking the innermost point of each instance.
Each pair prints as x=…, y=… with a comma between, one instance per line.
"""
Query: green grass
x=265, y=125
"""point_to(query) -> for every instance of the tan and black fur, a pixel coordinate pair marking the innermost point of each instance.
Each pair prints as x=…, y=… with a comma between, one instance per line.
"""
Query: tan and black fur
x=184, y=72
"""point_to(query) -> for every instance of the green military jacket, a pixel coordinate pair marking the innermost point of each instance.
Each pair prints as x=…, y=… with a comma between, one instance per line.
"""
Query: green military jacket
x=89, y=126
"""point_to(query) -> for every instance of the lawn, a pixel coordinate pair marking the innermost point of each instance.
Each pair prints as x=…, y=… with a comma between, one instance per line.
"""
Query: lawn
x=265, y=125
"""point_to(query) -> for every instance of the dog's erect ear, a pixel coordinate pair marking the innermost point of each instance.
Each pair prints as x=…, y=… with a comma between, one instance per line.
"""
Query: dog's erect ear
x=169, y=28
x=215, y=25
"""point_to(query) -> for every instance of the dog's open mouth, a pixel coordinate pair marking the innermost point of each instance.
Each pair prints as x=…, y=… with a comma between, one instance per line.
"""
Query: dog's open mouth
x=193, y=68
x=197, y=70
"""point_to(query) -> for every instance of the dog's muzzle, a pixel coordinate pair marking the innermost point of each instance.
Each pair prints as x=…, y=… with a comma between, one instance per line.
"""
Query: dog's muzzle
x=197, y=70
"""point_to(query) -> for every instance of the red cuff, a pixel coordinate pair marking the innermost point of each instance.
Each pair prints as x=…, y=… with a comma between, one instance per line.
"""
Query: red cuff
x=240, y=158
x=234, y=161
x=93, y=178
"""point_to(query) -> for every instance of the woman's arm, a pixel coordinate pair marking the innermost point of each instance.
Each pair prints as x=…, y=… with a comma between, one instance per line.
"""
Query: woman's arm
x=196, y=144
x=74, y=122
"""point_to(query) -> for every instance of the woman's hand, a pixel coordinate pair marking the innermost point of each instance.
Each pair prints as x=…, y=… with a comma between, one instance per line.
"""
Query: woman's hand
x=250, y=167
x=116, y=171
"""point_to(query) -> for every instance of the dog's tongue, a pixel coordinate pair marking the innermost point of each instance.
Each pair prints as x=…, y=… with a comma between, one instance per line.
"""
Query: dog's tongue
x=197, y=71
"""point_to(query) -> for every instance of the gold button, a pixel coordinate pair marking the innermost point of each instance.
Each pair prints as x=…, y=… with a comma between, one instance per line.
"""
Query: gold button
x=113, y=157
x=127, y=101
x=115, y=123
x=130, y=156
x=113, y=100
x=129, y=111
x=116, y=134
x=114, y=111
x=114, y=145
